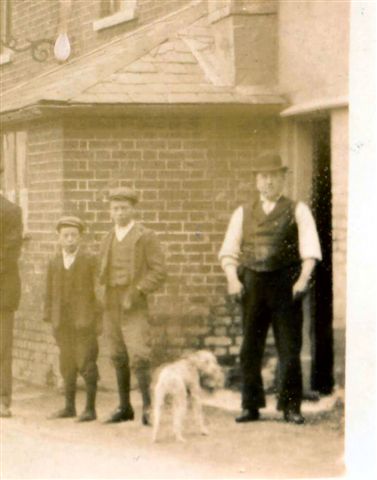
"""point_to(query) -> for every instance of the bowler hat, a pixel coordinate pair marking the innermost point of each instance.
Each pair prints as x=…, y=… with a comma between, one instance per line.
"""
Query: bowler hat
x=70, y=221
x=269, y=162
x=123, y=193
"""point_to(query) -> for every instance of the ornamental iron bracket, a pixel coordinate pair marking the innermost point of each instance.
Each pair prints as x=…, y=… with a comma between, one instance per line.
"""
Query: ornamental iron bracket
x=40, y=49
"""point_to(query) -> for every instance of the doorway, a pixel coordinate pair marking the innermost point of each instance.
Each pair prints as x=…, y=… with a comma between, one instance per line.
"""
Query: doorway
x=322, y=351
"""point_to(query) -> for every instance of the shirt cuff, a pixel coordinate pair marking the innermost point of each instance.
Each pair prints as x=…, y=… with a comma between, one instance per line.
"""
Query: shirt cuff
x=225, y=261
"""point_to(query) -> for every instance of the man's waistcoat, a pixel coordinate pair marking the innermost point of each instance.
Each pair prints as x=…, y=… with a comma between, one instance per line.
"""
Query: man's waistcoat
x=121, y=260
x=270, y=242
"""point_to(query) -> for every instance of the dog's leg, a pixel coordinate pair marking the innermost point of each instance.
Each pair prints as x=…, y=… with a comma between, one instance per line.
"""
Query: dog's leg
x=179, y=412
x=197, y=408
x=158, y=403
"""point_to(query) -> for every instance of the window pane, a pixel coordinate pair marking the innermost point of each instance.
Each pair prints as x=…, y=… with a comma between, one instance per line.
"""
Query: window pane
x=5, y=21
x=9, y=163
x=21, y=160
x=108, y=7
x=14, y=161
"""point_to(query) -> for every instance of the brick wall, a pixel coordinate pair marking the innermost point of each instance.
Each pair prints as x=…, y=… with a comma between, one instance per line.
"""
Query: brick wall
x=190, y=172
x=35, y=19
x=34, y=349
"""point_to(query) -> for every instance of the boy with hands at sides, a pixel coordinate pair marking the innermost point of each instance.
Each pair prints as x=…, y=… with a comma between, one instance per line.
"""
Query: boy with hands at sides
x=75, y=315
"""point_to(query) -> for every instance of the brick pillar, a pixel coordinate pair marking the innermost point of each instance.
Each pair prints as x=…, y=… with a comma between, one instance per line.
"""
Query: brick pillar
x=339, y=173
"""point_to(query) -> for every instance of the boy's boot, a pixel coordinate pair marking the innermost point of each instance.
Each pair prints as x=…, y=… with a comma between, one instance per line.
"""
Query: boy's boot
x=69, y=410
x=144, y=380
x=89, y=413
x=125, y=411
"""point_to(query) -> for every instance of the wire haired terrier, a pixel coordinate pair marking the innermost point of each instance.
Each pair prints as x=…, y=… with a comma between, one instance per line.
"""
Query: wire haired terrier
x=181, y=381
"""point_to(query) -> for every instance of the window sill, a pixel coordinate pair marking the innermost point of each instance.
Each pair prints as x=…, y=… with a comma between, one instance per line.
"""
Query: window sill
x=115, y=19
x=5, y=57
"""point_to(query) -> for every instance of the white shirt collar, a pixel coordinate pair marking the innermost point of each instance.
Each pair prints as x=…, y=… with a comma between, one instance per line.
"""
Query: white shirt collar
x=69, y=258
x=268, y=205
x=264, y=199
x=121, y=232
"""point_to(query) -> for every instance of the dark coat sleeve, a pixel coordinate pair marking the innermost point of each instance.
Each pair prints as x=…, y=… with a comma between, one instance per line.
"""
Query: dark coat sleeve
x=98, y=302
x=48, y=294
x=154, y=274
x=10, y=250
x=10, y=236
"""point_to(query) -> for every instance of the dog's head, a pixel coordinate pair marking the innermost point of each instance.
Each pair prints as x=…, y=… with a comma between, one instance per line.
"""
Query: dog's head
x=210, y=372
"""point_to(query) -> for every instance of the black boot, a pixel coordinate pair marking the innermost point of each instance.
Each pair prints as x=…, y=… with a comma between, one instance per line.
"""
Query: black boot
x=293, y=416
x=89, y=413
x=144, y=380
x=69, y=410
x=124, y=412
x=248, y=415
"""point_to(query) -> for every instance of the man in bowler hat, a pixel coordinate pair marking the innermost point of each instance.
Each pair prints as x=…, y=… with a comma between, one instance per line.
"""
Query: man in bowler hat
x=132, y=266
x=268, y=255
x=71, y=307
x=10, y=292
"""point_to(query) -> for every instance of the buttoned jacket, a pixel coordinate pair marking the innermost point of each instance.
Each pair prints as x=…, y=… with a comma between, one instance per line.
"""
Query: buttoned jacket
x=85, y=309
x=148, y=270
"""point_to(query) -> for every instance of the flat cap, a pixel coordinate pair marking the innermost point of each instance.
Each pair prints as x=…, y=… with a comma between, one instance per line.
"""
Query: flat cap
x=70, y=221
x=269, y=162
x=123, y=193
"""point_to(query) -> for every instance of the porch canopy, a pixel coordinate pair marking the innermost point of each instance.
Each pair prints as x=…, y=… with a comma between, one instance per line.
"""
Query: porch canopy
x=169, y=62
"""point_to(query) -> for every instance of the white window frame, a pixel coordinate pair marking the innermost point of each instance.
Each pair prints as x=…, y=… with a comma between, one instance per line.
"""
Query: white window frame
x=5, y=28
x=126, y=13
x=15, y=176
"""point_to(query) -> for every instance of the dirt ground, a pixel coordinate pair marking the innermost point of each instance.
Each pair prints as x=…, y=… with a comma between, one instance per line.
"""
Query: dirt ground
x=33, y=447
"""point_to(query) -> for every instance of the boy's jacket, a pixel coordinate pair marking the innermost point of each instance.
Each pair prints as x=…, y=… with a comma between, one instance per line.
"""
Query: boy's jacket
x=84, y=307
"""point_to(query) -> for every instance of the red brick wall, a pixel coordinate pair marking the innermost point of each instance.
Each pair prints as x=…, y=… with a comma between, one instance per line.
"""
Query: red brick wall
x=37, y=19
x=190, y=172
x=34, y=348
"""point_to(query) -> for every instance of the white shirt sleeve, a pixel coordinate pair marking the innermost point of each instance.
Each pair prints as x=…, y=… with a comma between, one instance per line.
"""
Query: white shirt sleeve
x=309, y=246
x=231, y=247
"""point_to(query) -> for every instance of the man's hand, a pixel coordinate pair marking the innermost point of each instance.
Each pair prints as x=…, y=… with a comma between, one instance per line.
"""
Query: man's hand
x=235, y=290
x=235, y=287
x=300, y=288
x=132, y=298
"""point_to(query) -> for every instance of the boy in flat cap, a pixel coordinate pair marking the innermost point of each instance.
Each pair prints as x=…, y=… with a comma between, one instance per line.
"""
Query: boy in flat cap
x=132, y=266
x=72, y=309
x=268, y=255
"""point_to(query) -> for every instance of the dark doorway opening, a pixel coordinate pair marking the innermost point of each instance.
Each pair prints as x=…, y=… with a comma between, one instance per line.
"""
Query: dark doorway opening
x=322, y=374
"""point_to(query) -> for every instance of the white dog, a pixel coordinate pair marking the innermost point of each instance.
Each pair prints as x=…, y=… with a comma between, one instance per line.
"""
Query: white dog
x=181, y=380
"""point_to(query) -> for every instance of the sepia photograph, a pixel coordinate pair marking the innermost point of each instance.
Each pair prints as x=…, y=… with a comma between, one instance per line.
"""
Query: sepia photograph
x=187, y=227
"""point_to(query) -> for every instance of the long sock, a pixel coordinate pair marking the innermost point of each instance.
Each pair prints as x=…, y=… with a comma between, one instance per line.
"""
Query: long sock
x=91, y=391
x=144, y=380
x=70, y=397
x=123, y=379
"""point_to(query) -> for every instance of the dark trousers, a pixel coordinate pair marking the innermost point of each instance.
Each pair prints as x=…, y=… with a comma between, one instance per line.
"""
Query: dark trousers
x=78, y=353
x=6, y=343
x=268, y=300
